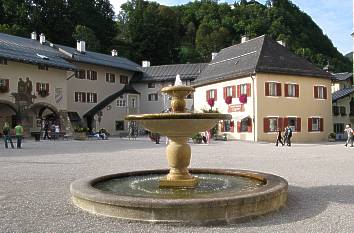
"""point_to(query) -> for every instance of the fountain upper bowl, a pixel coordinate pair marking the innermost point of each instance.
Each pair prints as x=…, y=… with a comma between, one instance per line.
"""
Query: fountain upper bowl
x=178, y=124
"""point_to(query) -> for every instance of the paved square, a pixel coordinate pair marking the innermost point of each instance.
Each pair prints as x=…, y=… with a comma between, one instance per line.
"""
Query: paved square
x=35, y=197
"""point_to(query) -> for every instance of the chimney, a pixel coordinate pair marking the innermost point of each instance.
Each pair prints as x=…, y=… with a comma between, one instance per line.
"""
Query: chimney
x=281, y=43
x=42, y=38
x=34, y=35
x=213, y=55
x=146, y=63
x=244, y=38
x=80, y=46
x=114, y=53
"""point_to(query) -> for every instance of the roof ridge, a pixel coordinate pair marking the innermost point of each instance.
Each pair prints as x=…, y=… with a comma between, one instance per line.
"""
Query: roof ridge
x=235, y=45
x=177, y=64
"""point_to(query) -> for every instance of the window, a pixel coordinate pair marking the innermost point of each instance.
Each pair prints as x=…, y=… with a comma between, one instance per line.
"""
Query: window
x=227, y=126
x=119, y=125
x=292, y=122
x=153, y=97
x=80, y=97
x=121, y=101
x=244, y=89
x=245, y=125
x=211, y=94
x=151, y=85
x=338, y=128
x=133, y=103
x=110, y=78
x=81, y=74
x=42, y=67
x=272, y=89
x=229, y=91
x=91, y=75
x=291, y=90
x=91, y=97
x=190, y=96
x=3, y=61
x=272, y=124
x=43, y=88
x=342, y=111
x=315, y=124
x=335, y=110
x=124, y=79
x=320, y=92
x=4, y=85
x=2, y=82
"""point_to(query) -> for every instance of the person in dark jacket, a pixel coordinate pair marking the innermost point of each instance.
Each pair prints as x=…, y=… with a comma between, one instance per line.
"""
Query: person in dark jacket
x=279, y=139
x=289, y=135
x=7, y=136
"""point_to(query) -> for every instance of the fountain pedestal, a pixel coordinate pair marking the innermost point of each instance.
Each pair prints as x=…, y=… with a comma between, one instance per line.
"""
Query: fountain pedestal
x=178, y=156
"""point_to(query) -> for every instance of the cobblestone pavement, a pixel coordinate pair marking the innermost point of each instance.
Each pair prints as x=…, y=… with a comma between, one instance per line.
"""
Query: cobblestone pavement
x=35, y=197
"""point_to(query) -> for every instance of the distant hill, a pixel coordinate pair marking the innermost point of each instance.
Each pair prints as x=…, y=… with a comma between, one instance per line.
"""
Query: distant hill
x=350, y=56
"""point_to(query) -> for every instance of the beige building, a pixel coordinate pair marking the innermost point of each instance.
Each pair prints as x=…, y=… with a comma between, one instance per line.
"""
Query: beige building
x=265, y=87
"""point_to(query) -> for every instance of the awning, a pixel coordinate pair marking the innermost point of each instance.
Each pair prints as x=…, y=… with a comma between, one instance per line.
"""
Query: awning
x=237, y=116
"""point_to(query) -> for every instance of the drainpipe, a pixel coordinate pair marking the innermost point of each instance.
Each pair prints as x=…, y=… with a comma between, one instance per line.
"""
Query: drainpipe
x=254, y=107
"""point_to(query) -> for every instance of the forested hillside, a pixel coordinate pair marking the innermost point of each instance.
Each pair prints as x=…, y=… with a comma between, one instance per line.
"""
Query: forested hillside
x=165, y=35
x=350, y=56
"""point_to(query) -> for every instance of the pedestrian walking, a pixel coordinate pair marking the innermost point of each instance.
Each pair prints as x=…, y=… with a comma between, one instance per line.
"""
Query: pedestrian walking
x=46, y=130
x=279, y=139
x=286, y=135
x=7, y=135
x=289, y=135
x=349, y=131
x=19, y=134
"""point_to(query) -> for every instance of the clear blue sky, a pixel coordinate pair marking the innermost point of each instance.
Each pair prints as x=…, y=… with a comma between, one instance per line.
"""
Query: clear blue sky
x=333, y=16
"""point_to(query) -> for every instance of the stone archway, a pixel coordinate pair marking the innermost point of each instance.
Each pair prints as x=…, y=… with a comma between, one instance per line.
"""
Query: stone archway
x=9, y=112
x=43, y=111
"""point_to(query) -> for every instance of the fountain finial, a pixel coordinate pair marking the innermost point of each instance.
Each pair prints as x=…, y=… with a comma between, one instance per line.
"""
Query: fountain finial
x=178, y=81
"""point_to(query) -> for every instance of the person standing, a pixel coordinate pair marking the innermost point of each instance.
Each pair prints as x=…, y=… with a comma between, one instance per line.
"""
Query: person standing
x=46, y=129
x=19, y=134
x=286, y=135
x=279, y=139
x=349, y=132
x=289, y=135
x=7, y=136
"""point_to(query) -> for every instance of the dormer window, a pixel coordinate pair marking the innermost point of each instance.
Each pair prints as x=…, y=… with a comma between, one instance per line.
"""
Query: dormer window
x=124, y=79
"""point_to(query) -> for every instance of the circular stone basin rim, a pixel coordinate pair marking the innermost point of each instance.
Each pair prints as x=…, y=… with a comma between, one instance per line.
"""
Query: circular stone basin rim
x=84, y=189
x=187, y=116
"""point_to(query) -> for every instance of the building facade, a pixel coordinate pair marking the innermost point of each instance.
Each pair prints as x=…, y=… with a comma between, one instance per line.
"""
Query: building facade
x=265, y=87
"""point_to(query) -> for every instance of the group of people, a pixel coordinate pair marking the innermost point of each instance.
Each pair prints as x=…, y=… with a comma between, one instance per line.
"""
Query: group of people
x=7, y=134
x=50, y=131
x=288, y=133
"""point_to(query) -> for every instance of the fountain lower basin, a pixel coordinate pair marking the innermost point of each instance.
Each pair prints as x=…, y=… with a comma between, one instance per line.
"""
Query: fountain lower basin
x=234, y=195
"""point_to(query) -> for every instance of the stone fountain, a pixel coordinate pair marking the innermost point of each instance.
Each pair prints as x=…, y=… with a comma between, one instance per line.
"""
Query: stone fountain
x=181, y=195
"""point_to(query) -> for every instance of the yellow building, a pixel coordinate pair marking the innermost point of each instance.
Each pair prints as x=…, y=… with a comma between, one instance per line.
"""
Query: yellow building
x=266, y=87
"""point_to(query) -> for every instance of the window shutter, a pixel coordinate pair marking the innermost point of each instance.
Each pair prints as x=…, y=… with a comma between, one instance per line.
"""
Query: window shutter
x=239, y=126
x=225, y=92
x=7, y=84
x=325, y=92
x=88, y=97
x=83, y=97
x=309, y=124
x=107, y=77
x=238, y=90
x=315, y=91
x=266, y=89
x=232, y=127
x=266, y=125
x=95, y=75
x=249, y=125
x=280, y=123
x=95, y=97
x=222, y=128
x=37, y=86
x=216, y=95
x=47, y=87
x=297, y=90
x=285, y=122
x=278, y=89
x=321, y=124
x=207, y=94
x=298, y=125
x=286, y=90
x=248, y=89
x=76, y=96
x=233, y=91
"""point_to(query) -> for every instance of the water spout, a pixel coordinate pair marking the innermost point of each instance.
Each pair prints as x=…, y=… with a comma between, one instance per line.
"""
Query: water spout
x=178, y=81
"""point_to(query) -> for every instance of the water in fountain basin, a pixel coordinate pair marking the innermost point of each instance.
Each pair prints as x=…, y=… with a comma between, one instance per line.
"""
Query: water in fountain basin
x=210, y=185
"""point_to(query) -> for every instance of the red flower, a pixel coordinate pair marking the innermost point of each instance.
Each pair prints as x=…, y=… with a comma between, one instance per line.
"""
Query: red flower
x=228, y=100
x=211, y=102
x=243, y=99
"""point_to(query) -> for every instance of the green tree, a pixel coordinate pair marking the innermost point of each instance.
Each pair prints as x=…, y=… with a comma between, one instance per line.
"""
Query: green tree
x=86, y=34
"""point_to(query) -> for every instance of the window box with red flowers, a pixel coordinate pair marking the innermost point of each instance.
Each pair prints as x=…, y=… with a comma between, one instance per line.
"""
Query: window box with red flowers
x=243, y=99
x=228, y=100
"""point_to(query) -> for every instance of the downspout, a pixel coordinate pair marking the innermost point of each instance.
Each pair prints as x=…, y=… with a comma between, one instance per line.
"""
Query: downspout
x=254, y=108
